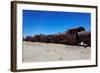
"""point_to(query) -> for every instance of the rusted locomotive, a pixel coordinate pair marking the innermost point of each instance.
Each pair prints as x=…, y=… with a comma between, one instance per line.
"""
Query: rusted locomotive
x=74, y=36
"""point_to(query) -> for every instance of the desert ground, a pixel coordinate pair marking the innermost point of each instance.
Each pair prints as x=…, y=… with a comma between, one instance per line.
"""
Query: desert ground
x=43, y=52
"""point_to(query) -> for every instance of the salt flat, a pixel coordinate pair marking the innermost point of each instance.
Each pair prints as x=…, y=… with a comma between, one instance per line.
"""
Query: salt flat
x=43, y=52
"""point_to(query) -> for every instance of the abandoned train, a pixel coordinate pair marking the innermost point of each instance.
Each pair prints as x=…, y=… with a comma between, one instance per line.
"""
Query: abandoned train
x=74, y=36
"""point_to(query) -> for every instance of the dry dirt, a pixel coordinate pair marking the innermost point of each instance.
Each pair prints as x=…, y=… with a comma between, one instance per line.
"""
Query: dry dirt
x=43, y=52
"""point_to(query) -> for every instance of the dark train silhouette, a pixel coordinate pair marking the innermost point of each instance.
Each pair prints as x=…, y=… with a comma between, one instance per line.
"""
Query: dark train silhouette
x=75, y=36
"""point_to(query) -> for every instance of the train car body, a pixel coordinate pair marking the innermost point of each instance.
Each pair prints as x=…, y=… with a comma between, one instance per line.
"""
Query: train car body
x=74, y=36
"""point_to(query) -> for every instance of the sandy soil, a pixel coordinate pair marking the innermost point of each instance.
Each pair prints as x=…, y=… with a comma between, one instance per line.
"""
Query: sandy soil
x=41, y=52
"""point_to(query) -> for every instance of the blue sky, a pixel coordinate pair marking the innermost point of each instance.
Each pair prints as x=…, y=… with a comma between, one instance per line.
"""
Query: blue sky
x=51, y=22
